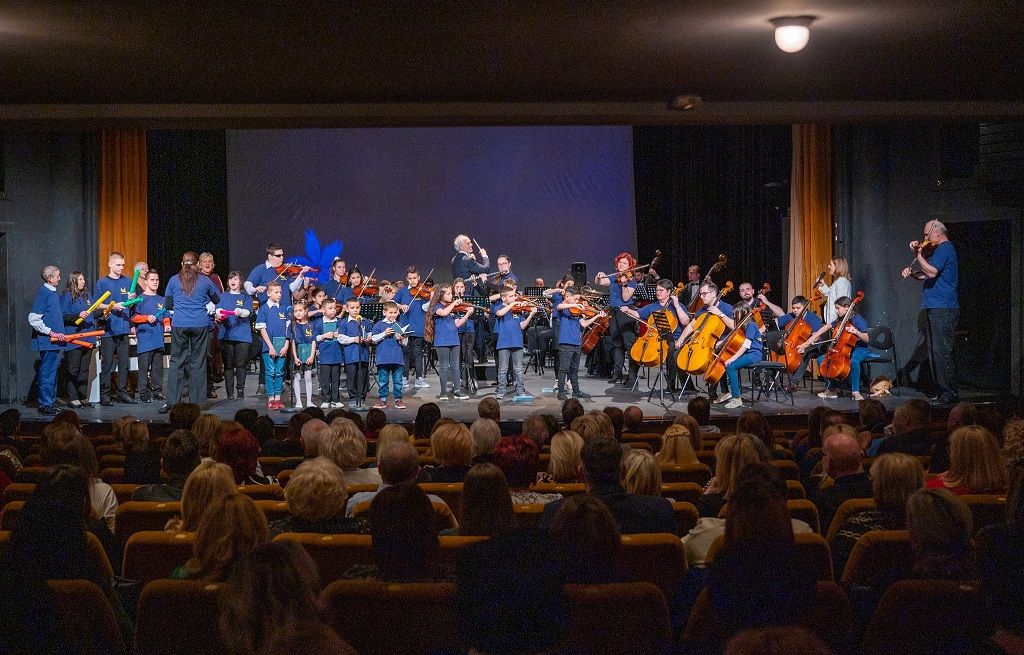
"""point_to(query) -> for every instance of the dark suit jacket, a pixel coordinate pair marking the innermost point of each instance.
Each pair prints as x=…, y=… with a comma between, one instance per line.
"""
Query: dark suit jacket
x=632, y=513
x=828, y=500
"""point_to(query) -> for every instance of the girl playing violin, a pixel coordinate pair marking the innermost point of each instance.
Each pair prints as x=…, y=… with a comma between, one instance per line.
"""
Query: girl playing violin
x=338, y=282
x=622, y=286
x=442, y=324
x=360, y=286
x=467, y=332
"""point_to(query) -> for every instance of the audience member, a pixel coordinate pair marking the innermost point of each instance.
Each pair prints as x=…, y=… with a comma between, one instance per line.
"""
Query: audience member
x=754, y=423
x=183, y=416
x=517, y=458
x=975, y=464
x=375, y=420
x=398, y=463
x=843, y=463
x=141, y=456
x=564, y=465
x=776, y=640
x=602, y=470
x=486, y=504
x=606, y=427
x=554, y=427
x=587, y=541
x=676, y=447
x=586, y=426
x=207, y=429
x=310, y=439
x=732, y=453
x=641, y=473
x=263, y=429
x=10, y=424
x=536, y=428
x=240, y=450
x=910, y=432
x=940, y=526
x=617, y=417
x=571, y=409
x=343, y=443
x=315, y=412
x=1001, y=564
x=872, y=414
x=426, y=416
x=230, y=527
x=696, y=436
x=489, y=408
x=205, y=484
x=291, y=445
x=452, y=446
x=1013, y=447
x=632, y=420
x=179, y=456
x=390, y=434
x=317, y=499
x=818, y=419
x=700, y=409
x=485, y=433
x=247, y=417
x=67, y=446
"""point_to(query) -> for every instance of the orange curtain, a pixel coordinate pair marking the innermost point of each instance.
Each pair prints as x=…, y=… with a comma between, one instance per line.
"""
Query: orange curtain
x=810, y=231
x=122, y=197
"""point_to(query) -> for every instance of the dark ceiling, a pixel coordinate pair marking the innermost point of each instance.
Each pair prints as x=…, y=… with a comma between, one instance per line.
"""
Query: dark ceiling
x=433, y=61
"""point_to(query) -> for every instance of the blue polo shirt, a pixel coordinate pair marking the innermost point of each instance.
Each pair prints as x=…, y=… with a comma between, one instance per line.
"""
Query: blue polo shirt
x=753, y=334
x=355, y=352
x=117, y=323
x=149, y=336
x=813, y=321
x=646, y=311
x=445, y=332
x=468, y=325
x=939, y=292
x=235, y=328
x=72, y=308
x=190, y=310
x=274, y=318
x=389, y=351
x=510, y=335
x=47, y=305
x=414, y=317
x=568, y=328
x=328, y=351
x=723, y=306
x=263, y=275
x=615, y=293
x=858, y=322
x=302, y=334
x=336, y=290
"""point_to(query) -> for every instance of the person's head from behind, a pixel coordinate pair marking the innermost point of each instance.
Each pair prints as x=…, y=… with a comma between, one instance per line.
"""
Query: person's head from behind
x=179, y=454
x=732, y=454
x=136, y=436
x=391, y=433
x=452, y=444
x=209, y=480
x=230, y=527
x=571, y=409
x=310, y=436
x=239, y=450
x=841, y=454
x=693, y=428
x=489, y=408
x=67, y=446
x=263, y=429
x=586, y=426
x=426, y=416
x=975, y=461
x=271, y=590
x=940, y=526
x=183, y=415
x=375, y=420
x=10, y=422
x=605, y=426
x=398, y=463
x=316, y=491
x=404, y=530
x=894, y=477
x=587, y=540
x=872, y=414
x=700, y=409
x=911, y=415
x=753, y=422
x=601, y=458
x=641, y=473
x=207, y=428
x=344, y=444
x=963, y=413
x=565, y=464
x=486, y=503
x=616, y=416
x=776, y=640
x=293, y=431
x=247, y=417
x=757, y=513
x=632, y=419
x=536, y=428
x=517, y=458
x=676, y=447
x=485, y=433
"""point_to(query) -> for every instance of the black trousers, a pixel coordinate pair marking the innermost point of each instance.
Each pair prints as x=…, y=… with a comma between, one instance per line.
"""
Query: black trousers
x=188, y=355
x=236, y=364
x=111, y=349
x=413, y=358
x=151, y=367
x=622, y=333
x=357, y=379
x=77, y=360
x=941, y=327
x=330, y=381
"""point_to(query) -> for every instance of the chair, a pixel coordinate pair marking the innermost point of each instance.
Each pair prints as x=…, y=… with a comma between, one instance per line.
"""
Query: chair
x=450, y=493
x=112, y=461
x=273, y=509
x=177, y=617
x=124, y=492
x=529, y=515
x=812, y=551
x=388, y=618
x=707, y=457
x=284, y=476
x=845, y=511
x=767, y=378
x=651, y=438
x=262, y=491
x=87, y=618
x=686, y=517
x=112, y=475
x=9, y=514
x=334, y=554
x=566, y=489
x=696, y=472
x=95, y=548
x=794, y=490
x=986, y=509
x=609, y=619
x=880, y=338
x=920, y=617
x=136, y=516
x=640, y=445
x=788, y=469
x=683, y=492
x=445, y=517
x=154, y=555
x=655, y=558
x=31, y=474
x=806, y=511
x=270, y=465
x=108, y=448
x=830, y=617
x=879, y=558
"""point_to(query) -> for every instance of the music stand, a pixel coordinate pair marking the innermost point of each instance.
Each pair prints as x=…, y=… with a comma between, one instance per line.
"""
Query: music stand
x=645, y=292
x=664, y=335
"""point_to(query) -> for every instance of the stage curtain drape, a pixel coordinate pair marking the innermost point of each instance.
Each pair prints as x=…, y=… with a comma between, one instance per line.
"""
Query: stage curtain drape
x=123, y=224
x=810, y=227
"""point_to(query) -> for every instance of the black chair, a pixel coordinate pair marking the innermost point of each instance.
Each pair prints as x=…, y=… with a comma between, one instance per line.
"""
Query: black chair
x=767, y=378
x=880, y=339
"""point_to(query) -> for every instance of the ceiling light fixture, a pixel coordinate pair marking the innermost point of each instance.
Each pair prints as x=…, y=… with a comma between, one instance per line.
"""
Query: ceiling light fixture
x=792, y=32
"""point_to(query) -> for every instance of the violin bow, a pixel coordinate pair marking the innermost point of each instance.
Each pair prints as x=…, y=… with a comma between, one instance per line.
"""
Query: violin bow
x=423, y=281
x=362, y=287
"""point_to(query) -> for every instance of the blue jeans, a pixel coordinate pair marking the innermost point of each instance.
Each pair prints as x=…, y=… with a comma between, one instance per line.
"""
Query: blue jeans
x=516, y=355
x=856, y=358
x=448, y=368
x=275, y=374
x=393, y=372
x=732, y=371
x=49, y=362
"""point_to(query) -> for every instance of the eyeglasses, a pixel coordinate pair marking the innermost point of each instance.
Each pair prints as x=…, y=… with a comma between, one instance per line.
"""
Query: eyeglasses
x=707, y=293
x=277, y=254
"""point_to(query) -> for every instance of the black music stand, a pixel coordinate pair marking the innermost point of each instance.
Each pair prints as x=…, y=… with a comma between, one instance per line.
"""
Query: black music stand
x=645, y=292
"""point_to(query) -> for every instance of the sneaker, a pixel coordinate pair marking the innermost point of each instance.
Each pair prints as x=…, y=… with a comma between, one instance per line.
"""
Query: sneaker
x=461, y=395
x=734, y=403
x=353, y=404
x=337, y=405
x=723, y=398
x=442, y=397
x=298, y=407
x=381, y=404
x=581, y=395
x=325, y=405
x=421, y=384
x=159, y=396
x=399, y=404
x=827, y=393
x=271, y=405
x=857, y=396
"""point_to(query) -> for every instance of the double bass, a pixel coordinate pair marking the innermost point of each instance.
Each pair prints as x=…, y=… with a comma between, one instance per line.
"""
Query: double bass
x=696, y=354
x=733, y=342
x=836, y=363
x=651, y=349
x=698, y=302
x=798, y=331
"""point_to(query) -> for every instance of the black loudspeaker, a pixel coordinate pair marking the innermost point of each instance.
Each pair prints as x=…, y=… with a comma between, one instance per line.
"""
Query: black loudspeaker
x=579, y=273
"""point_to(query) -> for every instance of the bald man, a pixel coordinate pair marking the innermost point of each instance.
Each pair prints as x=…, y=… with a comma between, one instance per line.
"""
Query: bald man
x=843, y=461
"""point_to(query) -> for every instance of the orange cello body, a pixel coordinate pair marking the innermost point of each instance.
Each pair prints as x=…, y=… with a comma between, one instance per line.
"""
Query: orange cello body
x=594, y=333
x=698, y=352
x=836, y=363
x=650, y=349
x=733, y=342
x=797, y=332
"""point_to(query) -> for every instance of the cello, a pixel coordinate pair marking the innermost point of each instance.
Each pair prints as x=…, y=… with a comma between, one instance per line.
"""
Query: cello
x=733, y=342
x=696, y=354
x=651, y=349
x=698, y=302
x=798, y=331
x=836, y=362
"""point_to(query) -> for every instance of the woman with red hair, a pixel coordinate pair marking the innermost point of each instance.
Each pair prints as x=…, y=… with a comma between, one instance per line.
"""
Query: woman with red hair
x=239, y=449
x=622, y=286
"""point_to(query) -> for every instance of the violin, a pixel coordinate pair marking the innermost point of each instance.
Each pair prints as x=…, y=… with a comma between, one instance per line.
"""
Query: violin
x=696, y=354
x=368, y=287
x=523, y=305
x=698, y=302
x=836, y=363
x=586, y=311
x=295, y=269
x=463, y=307
x=422, y=291
x=926, y=248
x=626, y=276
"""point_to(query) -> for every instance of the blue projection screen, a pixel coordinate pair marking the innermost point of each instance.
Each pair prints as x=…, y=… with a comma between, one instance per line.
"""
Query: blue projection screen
x=395, y=197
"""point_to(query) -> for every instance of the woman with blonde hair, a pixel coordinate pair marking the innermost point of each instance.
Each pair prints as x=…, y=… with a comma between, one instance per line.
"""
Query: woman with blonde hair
x=564, y=466
x=231, y=527
x=452, y=447
x=696, y=436
x=975, y=464
x=317, y=498
x=940, y=527
x=732, y=453
x=642, y=473
x=344, y=444
x=842, y=285
x=389, y=434
x=142, y=456
x=207, y=429
x=676, y=447
x=206, y=483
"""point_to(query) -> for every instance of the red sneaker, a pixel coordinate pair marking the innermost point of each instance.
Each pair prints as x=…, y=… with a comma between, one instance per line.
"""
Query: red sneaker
x=381, y=404
x=271, y=404
x=399, y=404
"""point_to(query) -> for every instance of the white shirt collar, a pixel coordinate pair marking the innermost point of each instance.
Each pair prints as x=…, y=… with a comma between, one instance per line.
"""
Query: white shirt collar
x=271, y=303
x=49, y=286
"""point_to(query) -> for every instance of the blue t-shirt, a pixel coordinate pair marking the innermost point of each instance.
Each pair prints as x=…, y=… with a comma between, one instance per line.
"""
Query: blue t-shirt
x=445, y=332
x=235, y=328
x=71, y=309
x=858, y=322
x=389, y=351
x=328, y=351
x=355, y=352
x=615, y=293
x=568, y=328
x=116, y=323
x=190, y=310
x=301, y=334
x=47, y=305
x=753, y=334
x=275, y=319
x=336, y=290
x=723, y=306
x=813, y=321
x=150, y=336
x=939, y=292
x=646, y=311
x=414, y=317
x=510, y=335
x=468, y=325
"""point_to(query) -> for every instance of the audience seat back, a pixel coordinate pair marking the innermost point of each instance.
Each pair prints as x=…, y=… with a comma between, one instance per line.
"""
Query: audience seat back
x=879, y=558
x=142, y=516
x=845, y=511
x=262, y=491
x=87, y=618
x=154, y=555
x=682, y=492
x=177, y=617
x=686, y=515
x=812, y=551
x=450, y=493
x=610, y=619
x=986, y=509
x=656, y=558
x=696, y=472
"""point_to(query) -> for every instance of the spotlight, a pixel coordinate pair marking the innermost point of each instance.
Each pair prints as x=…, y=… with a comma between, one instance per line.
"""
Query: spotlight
x=792, y=32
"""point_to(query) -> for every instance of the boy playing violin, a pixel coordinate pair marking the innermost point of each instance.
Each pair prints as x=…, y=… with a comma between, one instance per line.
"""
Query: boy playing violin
x=509, y=325
x=570, y=325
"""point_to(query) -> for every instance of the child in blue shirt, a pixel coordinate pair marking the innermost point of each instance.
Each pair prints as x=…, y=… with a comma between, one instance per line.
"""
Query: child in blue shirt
x=302, y=334
x=856, y=326
x=272, y=321
x=235, y=334
x=354, y=336
x=509, y=327
x=751, y=352
x=151, y=322
x=412, y=316
x=389, y=356
x=443, y=323
x=570, y=328
x=467, y=336
x=329, y=354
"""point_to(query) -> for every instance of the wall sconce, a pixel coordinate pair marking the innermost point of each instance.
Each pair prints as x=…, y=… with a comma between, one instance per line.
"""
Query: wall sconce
x=792, y=32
